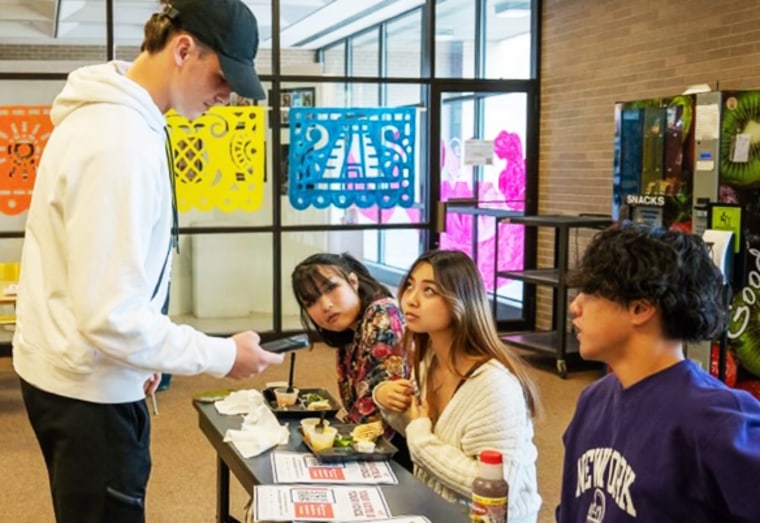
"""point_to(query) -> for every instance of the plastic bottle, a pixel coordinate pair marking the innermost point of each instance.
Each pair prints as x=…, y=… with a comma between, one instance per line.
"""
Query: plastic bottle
x=489, y=490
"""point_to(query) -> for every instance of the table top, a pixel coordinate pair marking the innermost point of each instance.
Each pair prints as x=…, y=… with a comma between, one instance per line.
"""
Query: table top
x=8, y=291
x=408, y=497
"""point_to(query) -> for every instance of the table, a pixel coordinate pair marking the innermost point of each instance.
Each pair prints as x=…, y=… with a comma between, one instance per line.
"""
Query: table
x=8, y=300
x=7, y=316
x=409, y=496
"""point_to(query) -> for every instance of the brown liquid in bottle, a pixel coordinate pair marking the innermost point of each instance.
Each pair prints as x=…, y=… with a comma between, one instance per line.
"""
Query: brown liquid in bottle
x=489, y=490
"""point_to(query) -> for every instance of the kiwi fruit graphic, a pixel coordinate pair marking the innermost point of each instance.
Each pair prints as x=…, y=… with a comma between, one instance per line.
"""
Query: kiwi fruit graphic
x=687, y=112
x=741, y=115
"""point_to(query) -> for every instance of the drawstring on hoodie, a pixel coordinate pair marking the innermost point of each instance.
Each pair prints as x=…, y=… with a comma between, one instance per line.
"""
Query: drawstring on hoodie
x=172, y=180
x=174, y=242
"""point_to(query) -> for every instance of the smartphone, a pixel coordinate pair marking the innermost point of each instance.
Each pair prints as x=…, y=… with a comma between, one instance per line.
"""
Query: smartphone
x=299, y=341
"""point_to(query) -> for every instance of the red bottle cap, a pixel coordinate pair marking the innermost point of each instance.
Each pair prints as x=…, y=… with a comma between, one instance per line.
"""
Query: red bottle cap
x=492, y=457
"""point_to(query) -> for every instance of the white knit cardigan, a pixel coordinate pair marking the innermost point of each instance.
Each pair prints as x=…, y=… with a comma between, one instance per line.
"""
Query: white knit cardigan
x=487, y=412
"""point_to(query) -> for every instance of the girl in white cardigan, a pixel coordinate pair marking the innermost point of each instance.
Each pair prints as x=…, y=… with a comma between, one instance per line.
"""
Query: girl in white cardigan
x=468, y=391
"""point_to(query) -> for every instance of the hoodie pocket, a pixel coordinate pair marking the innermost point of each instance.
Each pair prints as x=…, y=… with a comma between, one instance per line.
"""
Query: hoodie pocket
x=121, y=498
x=124, y=508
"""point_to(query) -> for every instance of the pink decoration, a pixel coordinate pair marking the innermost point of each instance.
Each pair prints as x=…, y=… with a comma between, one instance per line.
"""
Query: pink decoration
x=456, y=182
x=507, y=146
x=509, y=195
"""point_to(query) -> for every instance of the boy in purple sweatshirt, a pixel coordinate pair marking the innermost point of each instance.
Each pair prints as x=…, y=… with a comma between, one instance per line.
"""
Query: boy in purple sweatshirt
x=657, y=439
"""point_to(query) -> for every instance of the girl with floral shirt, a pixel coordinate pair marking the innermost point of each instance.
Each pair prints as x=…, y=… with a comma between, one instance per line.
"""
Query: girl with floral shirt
x=354, y=313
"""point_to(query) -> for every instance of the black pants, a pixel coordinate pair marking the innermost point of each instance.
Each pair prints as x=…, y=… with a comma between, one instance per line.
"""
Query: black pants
x=97, y=456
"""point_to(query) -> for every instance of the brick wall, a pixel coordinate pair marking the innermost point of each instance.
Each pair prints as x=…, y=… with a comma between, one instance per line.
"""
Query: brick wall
x=598, y=52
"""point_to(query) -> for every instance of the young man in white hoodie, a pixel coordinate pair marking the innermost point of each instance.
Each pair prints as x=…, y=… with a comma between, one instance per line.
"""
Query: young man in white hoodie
x=91, y=338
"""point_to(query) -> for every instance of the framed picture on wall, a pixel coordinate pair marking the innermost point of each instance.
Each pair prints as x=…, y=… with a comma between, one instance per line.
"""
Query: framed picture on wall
x=293, y=97
x=284, y=168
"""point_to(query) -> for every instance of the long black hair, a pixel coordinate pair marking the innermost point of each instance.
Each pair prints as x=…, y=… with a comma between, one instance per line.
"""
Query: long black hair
x=309, y=283
x=474, y=331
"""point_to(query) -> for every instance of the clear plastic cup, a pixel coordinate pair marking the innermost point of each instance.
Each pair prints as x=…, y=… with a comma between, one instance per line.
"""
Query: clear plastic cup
x=322, y=439
x=309, y=423
x=285, y=397
x=365, y=446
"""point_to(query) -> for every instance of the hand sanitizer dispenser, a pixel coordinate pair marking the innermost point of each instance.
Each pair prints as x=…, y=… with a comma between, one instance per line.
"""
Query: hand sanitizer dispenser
x=720, y=244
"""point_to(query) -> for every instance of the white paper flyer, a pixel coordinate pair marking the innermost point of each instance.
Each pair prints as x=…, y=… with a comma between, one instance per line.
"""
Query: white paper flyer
x=318, y=503
x=401, y=519
x=398, y=519
x=303, y=467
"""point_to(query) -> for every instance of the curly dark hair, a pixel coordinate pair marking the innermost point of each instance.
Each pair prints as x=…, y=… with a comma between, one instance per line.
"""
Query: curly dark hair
x=309, y=284
x=670, y=269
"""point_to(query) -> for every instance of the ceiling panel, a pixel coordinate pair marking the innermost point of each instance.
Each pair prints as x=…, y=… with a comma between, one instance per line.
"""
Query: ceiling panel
x=303, y=23
x=82, y=22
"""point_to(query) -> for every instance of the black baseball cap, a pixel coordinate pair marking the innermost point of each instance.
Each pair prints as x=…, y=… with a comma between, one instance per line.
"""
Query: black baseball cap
x=229, y=28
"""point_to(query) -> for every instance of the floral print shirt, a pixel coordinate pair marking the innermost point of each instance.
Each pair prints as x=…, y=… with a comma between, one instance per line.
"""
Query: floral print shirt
x=375, y=355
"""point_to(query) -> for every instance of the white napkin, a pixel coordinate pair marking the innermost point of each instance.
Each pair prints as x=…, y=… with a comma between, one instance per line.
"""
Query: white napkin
x=260, y=431
x=240, y=402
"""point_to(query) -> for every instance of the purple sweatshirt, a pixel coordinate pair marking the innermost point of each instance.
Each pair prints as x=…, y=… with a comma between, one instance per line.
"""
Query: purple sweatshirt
x=677, y=446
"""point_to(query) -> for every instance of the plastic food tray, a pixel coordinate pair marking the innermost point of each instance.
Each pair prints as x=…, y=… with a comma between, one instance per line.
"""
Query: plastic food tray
x=300, y=410
x=384, y=449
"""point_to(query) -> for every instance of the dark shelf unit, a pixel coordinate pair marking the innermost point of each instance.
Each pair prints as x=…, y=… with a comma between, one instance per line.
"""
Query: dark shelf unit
x=558, y=341
x=543, y=341
x=537, y=276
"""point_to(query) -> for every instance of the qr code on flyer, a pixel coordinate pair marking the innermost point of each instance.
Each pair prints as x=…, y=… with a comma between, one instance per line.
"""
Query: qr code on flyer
x=312, y=495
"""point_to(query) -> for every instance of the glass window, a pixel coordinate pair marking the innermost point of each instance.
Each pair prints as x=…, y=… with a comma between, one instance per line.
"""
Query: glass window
x=320, y=40
x=403, y=94
x=365, y=60
x=404, y=46
x=508, y=39
x=455, y=39
x=372, y=245
x=223, y=294
x=334, y=60
x=365, y=54
x=457, y=124
x=503, y=182
x=413, y=244
x=10, y=252
x=297, y=20
x=364, y=95
x=502, y=185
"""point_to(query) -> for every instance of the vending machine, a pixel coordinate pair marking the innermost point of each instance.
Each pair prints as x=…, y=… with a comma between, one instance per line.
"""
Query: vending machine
x=654, y=158
x=692, y=162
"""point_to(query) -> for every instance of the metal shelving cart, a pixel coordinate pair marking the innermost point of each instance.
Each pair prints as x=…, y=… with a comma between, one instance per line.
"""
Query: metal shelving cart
x=556, y=341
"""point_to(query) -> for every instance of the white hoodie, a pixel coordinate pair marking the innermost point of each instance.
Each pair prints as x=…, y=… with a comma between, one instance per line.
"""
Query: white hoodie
x=89, y=322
